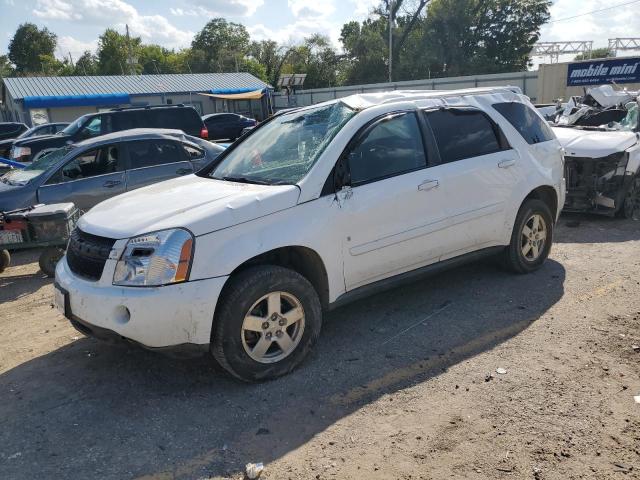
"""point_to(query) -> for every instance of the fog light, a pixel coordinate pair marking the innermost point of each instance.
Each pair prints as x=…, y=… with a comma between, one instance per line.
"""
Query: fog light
x=122, y=315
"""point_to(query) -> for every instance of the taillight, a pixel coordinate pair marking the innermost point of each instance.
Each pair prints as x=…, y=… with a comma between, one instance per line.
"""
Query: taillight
x=204, y=133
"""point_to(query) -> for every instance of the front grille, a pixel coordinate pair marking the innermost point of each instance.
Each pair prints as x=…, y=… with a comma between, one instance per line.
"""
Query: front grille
x=87, y=254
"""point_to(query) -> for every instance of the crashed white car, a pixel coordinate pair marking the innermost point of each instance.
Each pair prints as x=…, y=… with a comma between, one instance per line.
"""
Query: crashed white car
x=314, y=207
x=602, y=171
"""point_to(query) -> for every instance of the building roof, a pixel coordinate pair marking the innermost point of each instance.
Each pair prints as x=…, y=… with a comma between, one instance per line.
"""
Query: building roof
x=21, y=87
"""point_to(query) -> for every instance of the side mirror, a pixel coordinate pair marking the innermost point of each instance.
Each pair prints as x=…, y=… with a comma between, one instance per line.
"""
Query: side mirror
x=342, y=174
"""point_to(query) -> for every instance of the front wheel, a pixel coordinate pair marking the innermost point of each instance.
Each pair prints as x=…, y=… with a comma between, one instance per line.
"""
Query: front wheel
x=268, y=320
x=531, y=238
x=48, y=260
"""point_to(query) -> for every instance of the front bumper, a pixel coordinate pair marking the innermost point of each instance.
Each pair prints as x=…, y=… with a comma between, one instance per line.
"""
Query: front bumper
x=173, y=316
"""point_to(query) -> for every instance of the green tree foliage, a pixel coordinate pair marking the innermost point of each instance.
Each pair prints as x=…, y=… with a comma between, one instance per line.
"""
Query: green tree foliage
x=219, y=47
x=315, y=57
x=156, y=59
x=464, y=37
x=6, y=69
x=595, y=53
x=27, y=47
x=366, y=51
x=87, y=64
x=271, y=56
x=113, y=53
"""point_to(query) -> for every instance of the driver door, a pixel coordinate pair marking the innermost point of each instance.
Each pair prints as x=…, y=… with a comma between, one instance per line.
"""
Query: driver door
x=87, y=179
x=391, y=216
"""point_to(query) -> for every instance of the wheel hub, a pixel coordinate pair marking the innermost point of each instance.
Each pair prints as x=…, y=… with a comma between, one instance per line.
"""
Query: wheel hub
x=534, y=237
x=273, y=327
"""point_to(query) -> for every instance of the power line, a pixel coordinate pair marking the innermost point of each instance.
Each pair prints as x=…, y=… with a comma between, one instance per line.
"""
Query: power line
x=594, y=11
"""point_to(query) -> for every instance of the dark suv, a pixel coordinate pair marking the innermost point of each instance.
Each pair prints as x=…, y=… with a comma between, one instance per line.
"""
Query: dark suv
x=178, y=117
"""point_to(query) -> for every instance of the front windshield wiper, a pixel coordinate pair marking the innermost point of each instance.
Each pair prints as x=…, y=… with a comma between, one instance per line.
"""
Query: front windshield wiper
x=255, y=181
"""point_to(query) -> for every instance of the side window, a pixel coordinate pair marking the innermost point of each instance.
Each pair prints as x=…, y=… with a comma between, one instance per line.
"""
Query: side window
x=149, y=153
x=391, y=147
x=463, y=134
x=532, y=128
x=92, y=129
x=91, y=164
x=192, y=152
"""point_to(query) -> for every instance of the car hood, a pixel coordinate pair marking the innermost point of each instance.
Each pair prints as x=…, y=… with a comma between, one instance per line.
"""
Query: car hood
x=593, y=144
x=49, y=139
x=202, y=205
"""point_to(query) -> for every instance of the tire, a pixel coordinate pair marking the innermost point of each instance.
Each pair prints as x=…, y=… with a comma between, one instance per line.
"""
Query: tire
x=48, y=260
x=235, y=347
x=631, y=206
x=5, y=260
x=514, y=257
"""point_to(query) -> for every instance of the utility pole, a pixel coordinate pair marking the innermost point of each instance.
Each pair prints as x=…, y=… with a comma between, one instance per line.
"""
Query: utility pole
x=129, y=55
x=70, y=59
x=391, y=40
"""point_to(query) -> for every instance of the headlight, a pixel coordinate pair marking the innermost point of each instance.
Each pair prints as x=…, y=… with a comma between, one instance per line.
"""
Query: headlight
x=19, y=152
x=155, y=259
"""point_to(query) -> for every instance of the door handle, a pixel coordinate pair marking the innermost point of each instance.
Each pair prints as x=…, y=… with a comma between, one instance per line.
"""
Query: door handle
x=111, y=183
x=507, y=163
x=183, y=171
x=428, y=185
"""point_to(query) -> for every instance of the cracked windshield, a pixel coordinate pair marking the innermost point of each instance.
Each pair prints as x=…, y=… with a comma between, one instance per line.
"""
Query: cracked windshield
x=285, y=149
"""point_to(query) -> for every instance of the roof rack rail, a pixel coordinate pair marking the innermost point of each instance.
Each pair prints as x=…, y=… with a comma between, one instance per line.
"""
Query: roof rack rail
x=146, y=107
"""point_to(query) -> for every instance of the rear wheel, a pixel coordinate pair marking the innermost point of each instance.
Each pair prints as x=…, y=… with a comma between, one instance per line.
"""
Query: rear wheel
x=531, y=238
x=631, y=206
x=267, y=322
x=5, y=260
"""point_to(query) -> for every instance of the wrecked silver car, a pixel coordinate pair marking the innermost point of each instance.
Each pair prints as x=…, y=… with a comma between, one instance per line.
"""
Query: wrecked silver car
x=602, y=171
x=600, y=135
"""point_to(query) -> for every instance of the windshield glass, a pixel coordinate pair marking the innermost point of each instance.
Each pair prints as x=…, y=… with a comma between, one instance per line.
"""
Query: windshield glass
x=27, y=133
x=23, y=176
x=73, y=127
x=284, y=150
x=630, y=121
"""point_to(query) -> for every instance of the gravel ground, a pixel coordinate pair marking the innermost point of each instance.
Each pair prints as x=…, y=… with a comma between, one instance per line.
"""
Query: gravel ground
x=402, y=385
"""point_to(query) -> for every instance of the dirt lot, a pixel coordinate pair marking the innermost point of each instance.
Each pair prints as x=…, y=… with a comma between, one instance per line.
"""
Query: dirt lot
x=399, y=387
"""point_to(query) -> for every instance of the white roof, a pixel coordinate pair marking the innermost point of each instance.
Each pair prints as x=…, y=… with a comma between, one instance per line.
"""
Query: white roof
x=365, y=100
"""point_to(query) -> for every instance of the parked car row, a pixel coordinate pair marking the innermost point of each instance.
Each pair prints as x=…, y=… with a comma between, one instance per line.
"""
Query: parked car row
x=93, y=170
x=96, y=124
x=316, y=206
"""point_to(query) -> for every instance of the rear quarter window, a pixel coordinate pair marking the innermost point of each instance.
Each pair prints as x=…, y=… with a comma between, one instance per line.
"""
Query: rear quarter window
x=180, y=118
x=525, y=120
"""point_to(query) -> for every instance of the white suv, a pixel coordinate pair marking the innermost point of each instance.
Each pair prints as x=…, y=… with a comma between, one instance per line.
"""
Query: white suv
x=313, y=207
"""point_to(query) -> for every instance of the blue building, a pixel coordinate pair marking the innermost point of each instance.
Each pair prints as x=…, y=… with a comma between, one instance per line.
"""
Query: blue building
x=36, y=100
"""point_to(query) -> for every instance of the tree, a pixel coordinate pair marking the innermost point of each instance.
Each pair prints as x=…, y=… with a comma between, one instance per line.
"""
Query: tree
x=87, y=64
x=317, y=58
x=6, y=69
x=271, y=56
x=464, y=37
x=603, y=52
x=113, y=53
x=366, y=52
x=27, y=46
x=219, y=46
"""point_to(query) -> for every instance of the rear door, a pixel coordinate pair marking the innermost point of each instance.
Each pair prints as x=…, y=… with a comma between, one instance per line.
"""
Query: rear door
x=152, y=161
x=87, y=179
x=475, y=176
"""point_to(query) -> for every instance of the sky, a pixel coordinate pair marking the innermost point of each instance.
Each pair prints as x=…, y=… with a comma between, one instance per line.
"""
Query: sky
x=172, y=23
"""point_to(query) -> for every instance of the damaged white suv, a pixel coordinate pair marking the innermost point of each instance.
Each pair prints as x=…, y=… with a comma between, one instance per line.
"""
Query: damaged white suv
x=314, y=207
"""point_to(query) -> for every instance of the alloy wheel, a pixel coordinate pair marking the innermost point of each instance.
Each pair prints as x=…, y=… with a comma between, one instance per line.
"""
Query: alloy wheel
x=533, y=237
x=273, y=327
